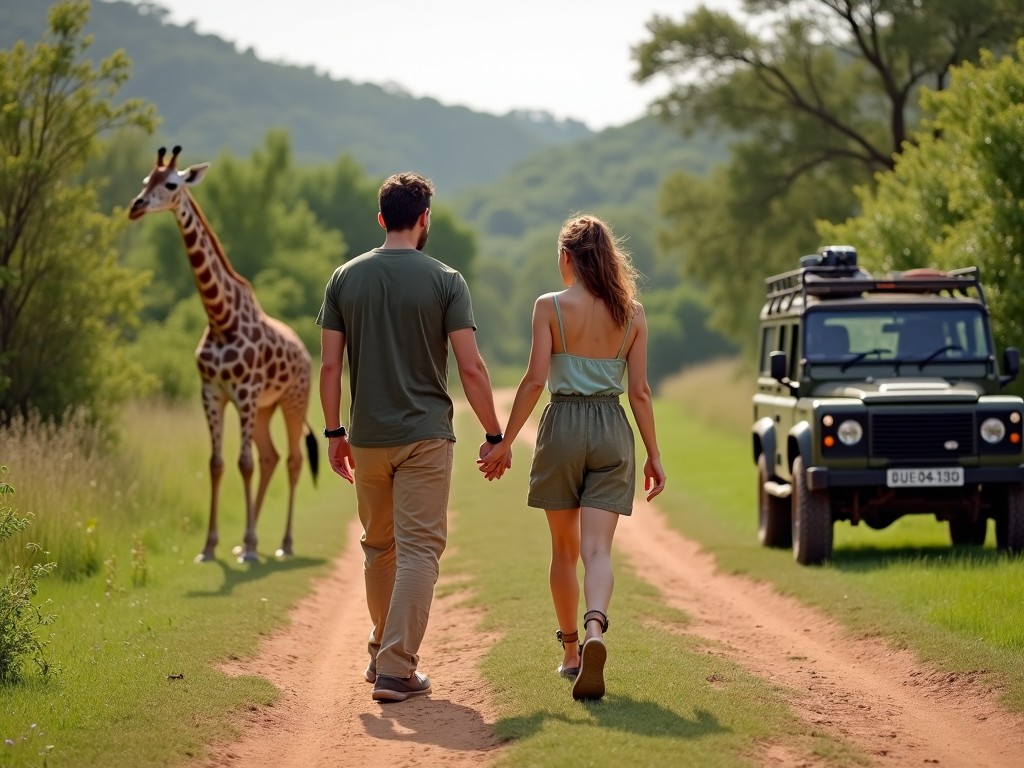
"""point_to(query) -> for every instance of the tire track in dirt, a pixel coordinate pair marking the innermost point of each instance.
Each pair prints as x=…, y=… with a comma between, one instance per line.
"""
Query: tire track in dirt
x=324, y=715
x=860, y=689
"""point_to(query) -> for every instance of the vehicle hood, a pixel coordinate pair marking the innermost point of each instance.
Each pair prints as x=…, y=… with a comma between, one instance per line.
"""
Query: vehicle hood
x=899, y=390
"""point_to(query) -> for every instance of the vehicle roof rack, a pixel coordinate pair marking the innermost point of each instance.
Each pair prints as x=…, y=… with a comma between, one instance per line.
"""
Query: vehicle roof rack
x=833, y=273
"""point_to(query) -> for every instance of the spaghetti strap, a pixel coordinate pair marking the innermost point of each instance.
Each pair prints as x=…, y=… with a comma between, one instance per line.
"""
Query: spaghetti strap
x=625, y=336
x=561, y=328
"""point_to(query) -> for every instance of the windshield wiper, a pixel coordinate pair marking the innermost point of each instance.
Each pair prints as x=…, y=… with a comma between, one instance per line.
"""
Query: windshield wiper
x=861, y=355
x=948, y=348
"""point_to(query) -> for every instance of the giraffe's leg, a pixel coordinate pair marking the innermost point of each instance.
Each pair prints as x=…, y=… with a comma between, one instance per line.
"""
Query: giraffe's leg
x=247, y=417
x=213, y=406
x=267, y=453
x=295, y=422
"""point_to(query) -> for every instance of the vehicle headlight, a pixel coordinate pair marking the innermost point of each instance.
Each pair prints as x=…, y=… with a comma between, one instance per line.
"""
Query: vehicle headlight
x=992, y=430
x=850, y=432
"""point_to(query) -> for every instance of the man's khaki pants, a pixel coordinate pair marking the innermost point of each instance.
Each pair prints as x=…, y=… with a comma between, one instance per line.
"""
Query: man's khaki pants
x=402, y=498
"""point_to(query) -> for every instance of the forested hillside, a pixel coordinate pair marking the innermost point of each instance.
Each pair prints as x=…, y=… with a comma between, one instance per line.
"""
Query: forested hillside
x=212, y=97
x=296, y=162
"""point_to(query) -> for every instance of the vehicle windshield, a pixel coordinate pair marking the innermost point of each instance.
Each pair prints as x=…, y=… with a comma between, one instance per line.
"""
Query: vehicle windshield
x=922, y=335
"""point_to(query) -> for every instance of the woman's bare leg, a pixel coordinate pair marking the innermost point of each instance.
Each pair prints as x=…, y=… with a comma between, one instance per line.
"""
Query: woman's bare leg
x=565, y=589
x=597, y=529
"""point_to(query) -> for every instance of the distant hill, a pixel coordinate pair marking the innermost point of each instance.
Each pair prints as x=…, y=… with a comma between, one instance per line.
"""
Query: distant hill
x=510, y=177
x=619, y=168
x=212, y=97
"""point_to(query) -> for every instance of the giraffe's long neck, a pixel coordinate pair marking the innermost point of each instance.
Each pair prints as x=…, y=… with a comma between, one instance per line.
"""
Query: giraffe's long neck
x=227, y=297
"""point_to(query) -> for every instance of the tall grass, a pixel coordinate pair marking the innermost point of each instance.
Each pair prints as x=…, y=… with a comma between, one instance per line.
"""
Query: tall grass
x=137, y=637
x=89, y=490
x=717, y=394
x=65, y=480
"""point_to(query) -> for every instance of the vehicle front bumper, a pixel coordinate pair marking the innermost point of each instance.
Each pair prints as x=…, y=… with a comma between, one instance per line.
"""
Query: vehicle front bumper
x=822, y=478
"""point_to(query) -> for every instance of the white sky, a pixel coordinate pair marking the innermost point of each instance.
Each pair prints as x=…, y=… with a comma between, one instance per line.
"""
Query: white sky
x=571, y=58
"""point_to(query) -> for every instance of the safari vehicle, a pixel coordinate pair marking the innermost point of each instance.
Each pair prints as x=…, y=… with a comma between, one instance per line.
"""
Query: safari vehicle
x=879, y=397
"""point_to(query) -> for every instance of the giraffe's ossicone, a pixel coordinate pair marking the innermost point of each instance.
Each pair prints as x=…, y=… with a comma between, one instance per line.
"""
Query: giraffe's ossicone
x=244, y=357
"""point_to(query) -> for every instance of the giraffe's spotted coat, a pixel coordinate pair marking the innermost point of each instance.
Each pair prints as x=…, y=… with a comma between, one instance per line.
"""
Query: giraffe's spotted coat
x=245, y=356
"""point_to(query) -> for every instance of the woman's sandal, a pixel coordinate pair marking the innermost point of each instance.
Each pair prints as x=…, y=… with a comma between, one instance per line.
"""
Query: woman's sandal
x=563, y=638
x=593, y=654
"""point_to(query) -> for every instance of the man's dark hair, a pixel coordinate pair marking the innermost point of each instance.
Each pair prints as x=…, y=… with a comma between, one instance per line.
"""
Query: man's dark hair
x=403, y=198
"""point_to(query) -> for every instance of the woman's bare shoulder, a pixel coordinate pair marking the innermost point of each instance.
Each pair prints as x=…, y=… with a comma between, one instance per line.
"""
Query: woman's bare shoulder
x=546, y=300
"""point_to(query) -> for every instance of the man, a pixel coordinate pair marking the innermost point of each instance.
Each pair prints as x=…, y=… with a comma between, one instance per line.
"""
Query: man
x=392, y=312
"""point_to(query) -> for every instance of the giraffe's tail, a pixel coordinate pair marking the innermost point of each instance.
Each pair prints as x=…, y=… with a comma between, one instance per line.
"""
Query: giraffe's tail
x=313, y=451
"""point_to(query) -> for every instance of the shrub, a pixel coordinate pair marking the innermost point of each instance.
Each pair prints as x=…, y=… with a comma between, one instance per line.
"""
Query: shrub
x=19, y=616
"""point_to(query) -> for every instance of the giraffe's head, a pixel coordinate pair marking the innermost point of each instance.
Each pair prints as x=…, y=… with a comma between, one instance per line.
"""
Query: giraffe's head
x=164, y=184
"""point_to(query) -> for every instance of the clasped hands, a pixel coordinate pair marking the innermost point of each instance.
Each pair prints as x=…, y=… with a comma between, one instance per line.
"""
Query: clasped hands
x=494, y=459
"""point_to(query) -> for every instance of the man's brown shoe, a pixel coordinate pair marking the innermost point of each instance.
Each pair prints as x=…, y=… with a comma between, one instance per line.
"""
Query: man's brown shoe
x=388, y=688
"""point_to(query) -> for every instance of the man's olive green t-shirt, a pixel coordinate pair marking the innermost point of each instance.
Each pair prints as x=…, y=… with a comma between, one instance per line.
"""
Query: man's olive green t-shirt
x=396, y=309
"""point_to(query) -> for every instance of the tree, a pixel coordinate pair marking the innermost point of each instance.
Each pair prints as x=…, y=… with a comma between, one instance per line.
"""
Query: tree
x=64, y=300
x=343, y=197
x=819, y=96
x=956, y=196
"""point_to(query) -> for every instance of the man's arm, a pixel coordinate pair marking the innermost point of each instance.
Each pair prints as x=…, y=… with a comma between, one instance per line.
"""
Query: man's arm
x=332, y=364
x=476, y=382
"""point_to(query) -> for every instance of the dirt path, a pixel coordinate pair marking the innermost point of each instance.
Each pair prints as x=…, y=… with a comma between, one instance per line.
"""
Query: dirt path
x=325, y=716
x=859, y=689
x=862, y=689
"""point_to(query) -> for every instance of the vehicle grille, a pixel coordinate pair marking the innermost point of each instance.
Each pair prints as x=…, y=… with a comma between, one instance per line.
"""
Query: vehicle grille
x=914, y=436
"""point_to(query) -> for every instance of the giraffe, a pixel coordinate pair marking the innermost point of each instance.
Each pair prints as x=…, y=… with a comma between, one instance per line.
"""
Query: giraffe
x=245, y=356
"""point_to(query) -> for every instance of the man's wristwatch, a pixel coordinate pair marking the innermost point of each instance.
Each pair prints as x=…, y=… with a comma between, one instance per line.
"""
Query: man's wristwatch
x=494, y=439
x=339, y=432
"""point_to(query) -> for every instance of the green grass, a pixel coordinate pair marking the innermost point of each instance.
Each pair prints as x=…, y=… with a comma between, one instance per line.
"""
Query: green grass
x=136, y=643
x=138, y=637
x=959, y=609
x=668, y=702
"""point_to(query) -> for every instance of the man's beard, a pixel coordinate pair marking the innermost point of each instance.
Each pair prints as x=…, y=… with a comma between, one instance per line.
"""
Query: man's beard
x=423, y=239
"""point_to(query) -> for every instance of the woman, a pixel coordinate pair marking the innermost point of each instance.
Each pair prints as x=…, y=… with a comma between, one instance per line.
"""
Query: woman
x=585, y=339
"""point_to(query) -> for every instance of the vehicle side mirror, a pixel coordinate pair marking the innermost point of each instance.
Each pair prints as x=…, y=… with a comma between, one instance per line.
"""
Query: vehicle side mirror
x=1011, y=365
x=778, y=366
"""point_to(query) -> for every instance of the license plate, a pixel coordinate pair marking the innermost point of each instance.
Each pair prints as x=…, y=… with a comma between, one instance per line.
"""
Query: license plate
x=924, y=477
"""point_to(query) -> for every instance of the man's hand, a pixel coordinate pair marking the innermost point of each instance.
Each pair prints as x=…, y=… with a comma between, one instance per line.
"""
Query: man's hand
x=340, y=453
x=495, y=459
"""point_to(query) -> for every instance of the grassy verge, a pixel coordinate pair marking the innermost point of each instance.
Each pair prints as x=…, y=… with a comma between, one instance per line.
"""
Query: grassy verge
x=140, y=627
x=137, y=638
x=959, y=609
x=668, y=702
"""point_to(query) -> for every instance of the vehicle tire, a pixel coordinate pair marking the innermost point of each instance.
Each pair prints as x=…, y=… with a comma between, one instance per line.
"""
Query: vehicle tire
x=774, y=515
x=1010, y=522
x=965, y=532
x=812, y=520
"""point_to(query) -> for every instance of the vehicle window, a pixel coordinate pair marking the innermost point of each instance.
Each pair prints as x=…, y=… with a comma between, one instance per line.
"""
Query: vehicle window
x=794, y=353
x=897, y=334
x=767, y=347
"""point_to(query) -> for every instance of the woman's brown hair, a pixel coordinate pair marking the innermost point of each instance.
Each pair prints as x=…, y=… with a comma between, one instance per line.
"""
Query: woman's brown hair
x=600, y=263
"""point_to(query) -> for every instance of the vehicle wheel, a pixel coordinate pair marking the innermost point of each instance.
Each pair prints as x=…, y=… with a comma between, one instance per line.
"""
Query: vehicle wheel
x=965, y=532
x=1010, y=522
x=812, y=520
x=774, y=515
